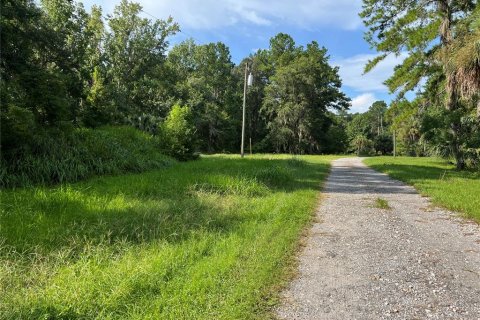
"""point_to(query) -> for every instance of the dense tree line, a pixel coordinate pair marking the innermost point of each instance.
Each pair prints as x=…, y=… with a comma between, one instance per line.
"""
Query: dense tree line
x=64, y=68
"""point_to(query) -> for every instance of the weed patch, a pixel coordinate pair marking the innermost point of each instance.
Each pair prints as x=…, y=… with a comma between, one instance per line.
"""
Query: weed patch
x=381, y=204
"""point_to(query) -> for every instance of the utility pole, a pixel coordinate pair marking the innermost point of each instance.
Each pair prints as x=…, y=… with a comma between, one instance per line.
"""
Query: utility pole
x=394, y=144
x=248, y=82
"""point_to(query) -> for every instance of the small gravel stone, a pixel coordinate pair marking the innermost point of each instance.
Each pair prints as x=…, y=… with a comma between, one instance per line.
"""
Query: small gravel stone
x=414, y=261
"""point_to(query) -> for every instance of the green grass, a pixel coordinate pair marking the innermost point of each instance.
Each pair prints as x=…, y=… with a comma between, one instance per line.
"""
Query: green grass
x=381, y=204
x=436, y=178
x=209, y=239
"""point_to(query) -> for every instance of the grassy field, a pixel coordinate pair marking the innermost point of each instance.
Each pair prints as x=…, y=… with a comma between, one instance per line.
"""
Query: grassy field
x=436, y=178
x=209, y=239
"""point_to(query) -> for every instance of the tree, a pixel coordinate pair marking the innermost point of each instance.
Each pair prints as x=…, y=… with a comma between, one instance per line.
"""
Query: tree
x=463, y=59
x=362, y=145
x=377, y=115
x=32, y=89
x=97, y=109
x=298, y=95
x=69, y=22
x=261, y=68
x=336, y=138
x=406, y=122
x=135, y=54
x=374, y=126
x=204, y=80
x=422, y=30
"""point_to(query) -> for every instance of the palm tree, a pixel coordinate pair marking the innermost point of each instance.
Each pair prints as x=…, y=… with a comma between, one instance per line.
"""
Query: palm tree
x=462, y=58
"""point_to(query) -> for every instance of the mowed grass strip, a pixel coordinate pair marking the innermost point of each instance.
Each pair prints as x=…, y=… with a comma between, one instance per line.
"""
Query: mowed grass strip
x=436, y=178
x=210, y=239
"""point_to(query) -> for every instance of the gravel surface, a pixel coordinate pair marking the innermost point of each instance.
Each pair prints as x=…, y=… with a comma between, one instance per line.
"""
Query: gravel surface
x=413, y=261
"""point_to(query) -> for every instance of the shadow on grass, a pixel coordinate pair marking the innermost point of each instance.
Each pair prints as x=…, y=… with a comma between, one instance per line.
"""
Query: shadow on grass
x=141, y=208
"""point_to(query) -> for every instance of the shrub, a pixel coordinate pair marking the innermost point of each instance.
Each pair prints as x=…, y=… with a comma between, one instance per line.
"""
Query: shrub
x=362, y=146
x=17, y=125
x=383, y=144
x=177, y=134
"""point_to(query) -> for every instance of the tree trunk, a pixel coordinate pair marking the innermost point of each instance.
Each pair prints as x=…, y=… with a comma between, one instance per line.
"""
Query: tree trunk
x=451, y=103
x=456, y=149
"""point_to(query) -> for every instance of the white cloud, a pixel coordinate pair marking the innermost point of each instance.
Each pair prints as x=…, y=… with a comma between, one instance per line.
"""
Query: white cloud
x=362, y=102
x=214, y=14
x=351, y=72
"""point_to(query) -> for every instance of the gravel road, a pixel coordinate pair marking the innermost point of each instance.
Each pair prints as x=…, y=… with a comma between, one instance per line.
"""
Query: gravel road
x=413, y=261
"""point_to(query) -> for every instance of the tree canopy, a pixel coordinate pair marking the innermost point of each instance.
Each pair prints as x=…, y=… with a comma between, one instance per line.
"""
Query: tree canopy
x=64, y=68
x=440, y=39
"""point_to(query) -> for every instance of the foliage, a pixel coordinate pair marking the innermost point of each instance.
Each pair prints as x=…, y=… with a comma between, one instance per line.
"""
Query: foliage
x=381, y=204
x=299, y=93
x=26, y=80
x=205, y=82
x=135, y=53
x=336, y=139
x=424, y=129
x=433, y=39
x=463, y=59
x=61, y=156
x=406, y=118
x=362, y=145
x=64, y=66
x=383, y=143
x=177, y=134
x=433, y=124
x=157, y=244
x=369, y=132
x=18, y=125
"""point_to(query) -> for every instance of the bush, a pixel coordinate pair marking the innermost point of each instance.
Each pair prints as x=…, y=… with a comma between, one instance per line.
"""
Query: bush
x=177, y=134
x=383, y=144
x=17, y=126
x=362, y=146
x=57, y=156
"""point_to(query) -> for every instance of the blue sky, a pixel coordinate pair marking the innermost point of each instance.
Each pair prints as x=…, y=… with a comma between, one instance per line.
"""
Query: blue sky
x=247, y=25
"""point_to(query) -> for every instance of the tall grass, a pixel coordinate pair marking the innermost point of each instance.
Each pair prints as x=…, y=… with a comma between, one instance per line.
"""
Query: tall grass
x=436, y=178
x=75, y=155
x=210, y=239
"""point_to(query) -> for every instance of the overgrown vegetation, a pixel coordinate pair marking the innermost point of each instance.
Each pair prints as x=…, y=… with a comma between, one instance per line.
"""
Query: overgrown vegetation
x=208, y=239
x=65, y=67
x=436, y=178
x=59, y=156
